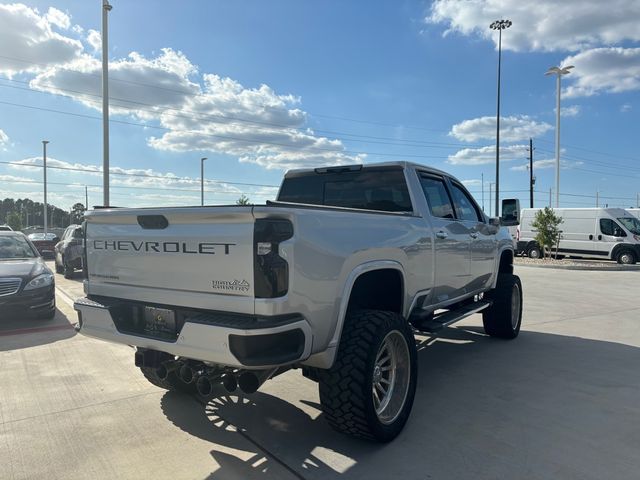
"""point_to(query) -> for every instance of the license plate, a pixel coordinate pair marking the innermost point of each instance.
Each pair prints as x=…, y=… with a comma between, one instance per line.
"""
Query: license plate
x=159, y=320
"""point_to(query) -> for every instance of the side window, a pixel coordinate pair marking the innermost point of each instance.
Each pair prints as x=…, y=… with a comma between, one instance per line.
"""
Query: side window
x=437, y=197
x=609, y=227
x=465, y=208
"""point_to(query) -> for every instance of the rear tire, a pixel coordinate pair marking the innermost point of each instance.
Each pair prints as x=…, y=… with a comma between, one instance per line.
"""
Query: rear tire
x=377, y=351
x=67, y=270
x=534, y=252
x=504, y=317
x=172, y=382
x=59, y=269
x=626, y=257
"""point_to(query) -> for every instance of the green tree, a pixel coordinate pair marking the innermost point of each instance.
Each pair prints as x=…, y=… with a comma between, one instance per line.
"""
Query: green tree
x=77, y=212
x=14, y=220
x=546, y=223
x=243, y=200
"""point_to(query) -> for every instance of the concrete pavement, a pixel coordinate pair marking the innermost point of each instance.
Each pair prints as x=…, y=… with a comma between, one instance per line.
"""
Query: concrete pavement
x=561, y=401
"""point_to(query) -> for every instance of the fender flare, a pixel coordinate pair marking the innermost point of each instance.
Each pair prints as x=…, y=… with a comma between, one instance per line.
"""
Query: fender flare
x=348, y=287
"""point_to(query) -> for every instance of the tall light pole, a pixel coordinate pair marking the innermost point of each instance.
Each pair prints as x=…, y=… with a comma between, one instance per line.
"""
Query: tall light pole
x=44, y=161
x=202, y=181
x=106, y=8
x=499, y=25
x=558, y=72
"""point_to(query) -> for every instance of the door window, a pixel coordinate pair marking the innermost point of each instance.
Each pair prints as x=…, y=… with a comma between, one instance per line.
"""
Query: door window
x=465, y=208
x=435, y=191
x=609, y=227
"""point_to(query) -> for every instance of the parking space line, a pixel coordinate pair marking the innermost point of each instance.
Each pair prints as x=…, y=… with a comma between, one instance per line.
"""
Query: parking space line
x=65, y=296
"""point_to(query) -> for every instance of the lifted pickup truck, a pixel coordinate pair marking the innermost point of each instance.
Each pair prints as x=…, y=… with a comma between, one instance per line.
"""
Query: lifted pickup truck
x=332, y=278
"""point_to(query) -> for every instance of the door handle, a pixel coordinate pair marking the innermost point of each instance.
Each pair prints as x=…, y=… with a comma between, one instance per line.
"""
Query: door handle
x=599, y=237
x=442, y=234
x=590, y=237
x=473, y=235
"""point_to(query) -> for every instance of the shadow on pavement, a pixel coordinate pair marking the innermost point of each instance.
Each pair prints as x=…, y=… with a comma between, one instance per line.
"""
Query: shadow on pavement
x=543, y=406
x=25, y=331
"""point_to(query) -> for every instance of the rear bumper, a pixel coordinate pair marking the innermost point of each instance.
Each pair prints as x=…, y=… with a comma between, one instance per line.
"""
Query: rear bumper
x=226, y=339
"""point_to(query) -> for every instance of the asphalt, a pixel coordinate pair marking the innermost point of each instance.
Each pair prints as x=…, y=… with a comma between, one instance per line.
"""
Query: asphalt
x=561, y=402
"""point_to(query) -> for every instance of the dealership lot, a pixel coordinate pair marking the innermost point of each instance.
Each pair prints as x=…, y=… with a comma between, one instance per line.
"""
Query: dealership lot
x=559, y=402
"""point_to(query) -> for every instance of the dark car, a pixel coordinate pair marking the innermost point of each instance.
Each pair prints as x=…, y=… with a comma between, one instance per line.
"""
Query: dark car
x=27, y=285
x=69, y=251
x=45, y=243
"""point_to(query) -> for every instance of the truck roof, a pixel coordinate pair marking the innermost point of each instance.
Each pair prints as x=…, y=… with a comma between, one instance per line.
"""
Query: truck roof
x=401, y=164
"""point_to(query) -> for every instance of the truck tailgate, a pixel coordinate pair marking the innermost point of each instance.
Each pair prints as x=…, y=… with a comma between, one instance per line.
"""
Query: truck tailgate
x=192, y=257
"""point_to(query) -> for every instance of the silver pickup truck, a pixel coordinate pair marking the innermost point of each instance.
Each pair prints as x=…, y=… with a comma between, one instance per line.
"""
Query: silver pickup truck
x=333, y=278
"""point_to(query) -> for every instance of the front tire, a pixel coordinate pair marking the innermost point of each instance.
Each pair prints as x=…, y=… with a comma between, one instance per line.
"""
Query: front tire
x=534, y=252
x=626, y=257
x=67, y=270
x=369, y=391
x=504, y=317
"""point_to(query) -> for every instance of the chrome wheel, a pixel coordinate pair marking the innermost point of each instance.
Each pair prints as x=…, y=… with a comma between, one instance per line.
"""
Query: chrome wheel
x=626, y=258
x=391, y=377
x=515, y=306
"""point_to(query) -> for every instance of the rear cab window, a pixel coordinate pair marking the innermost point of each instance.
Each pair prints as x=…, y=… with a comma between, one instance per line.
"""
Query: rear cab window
x=375, y=188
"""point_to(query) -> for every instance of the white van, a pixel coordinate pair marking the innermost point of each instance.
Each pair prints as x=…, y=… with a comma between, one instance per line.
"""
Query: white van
x=611, y=233
x=634, y=211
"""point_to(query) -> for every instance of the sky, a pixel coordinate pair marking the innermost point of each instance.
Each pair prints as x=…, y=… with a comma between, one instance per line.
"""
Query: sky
x=261, y=87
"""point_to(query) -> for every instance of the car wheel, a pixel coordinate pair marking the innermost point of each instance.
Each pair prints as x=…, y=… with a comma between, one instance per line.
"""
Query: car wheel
x=534, y=252
x=369, y=390
x=626, y=257
x=59, y=268
x=504, y=317
x=67, y=269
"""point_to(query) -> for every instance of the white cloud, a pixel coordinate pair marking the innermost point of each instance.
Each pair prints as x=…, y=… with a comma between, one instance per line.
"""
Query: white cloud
x=94, y=38
x=546, y=163
x=569, y=111
x=512, y=129
x=4, y=138
x=28, y=43
x=58, y=18
x=625, y=108
x=603, y=70
x=546, y=25
x=487, y=155
x=475, y=182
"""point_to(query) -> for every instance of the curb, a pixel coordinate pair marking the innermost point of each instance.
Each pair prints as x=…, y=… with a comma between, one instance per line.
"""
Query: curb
x=621, y=268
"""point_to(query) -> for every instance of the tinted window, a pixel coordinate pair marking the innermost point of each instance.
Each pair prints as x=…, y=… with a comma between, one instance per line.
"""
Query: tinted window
x=369, y=189
x=609, y=227
x=632, y=224
x=465, y=209
x=437, y=197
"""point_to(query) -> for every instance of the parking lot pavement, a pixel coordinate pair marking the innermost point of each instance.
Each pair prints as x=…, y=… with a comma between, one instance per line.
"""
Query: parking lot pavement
x=561, y=401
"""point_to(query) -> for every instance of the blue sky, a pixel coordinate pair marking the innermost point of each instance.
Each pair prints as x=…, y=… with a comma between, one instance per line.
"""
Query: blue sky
x=259, y=87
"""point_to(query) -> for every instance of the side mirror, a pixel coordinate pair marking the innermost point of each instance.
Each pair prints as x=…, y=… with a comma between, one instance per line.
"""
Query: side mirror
x=77, y=233
x=510, y=212
x=494, y=222
x=618, y=233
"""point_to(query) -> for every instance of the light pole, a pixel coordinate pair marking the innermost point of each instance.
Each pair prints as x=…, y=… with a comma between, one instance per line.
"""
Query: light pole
x=202, y=181
x=44, y=161
x=498, y=25
x=106, y=8
x=558, y=72
x=490, y=184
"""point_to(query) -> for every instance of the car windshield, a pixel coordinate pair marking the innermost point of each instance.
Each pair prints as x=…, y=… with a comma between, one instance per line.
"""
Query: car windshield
x=15, y=247
x=630, y=223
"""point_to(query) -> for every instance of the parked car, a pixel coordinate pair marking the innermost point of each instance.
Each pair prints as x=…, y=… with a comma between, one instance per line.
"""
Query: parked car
x=611, y=233
x=69, y=251
x=45, y=243
x=332, y=278
x=5, y=228
x=26, y=284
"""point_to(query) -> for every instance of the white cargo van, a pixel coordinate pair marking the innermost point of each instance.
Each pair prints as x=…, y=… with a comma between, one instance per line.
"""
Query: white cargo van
x=634, y=211
x=611, y=233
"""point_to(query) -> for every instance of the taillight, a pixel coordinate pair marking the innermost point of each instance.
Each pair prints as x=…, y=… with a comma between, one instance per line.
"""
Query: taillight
x=270, y=270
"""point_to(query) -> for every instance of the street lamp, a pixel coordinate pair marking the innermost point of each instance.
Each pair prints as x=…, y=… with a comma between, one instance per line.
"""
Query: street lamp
x=106, y=8
x=558, y=71
x=499, y=25
x=44, y=161
x=490, y=184
x=202, y=181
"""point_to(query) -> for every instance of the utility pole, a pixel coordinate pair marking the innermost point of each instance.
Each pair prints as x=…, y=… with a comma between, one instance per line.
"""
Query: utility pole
x=549, y=197
x=531, y=180
x=86, y=197
x=597, y=198
x=106, y=8
x=482, y=180
x=44, y=161
x=202, y=181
